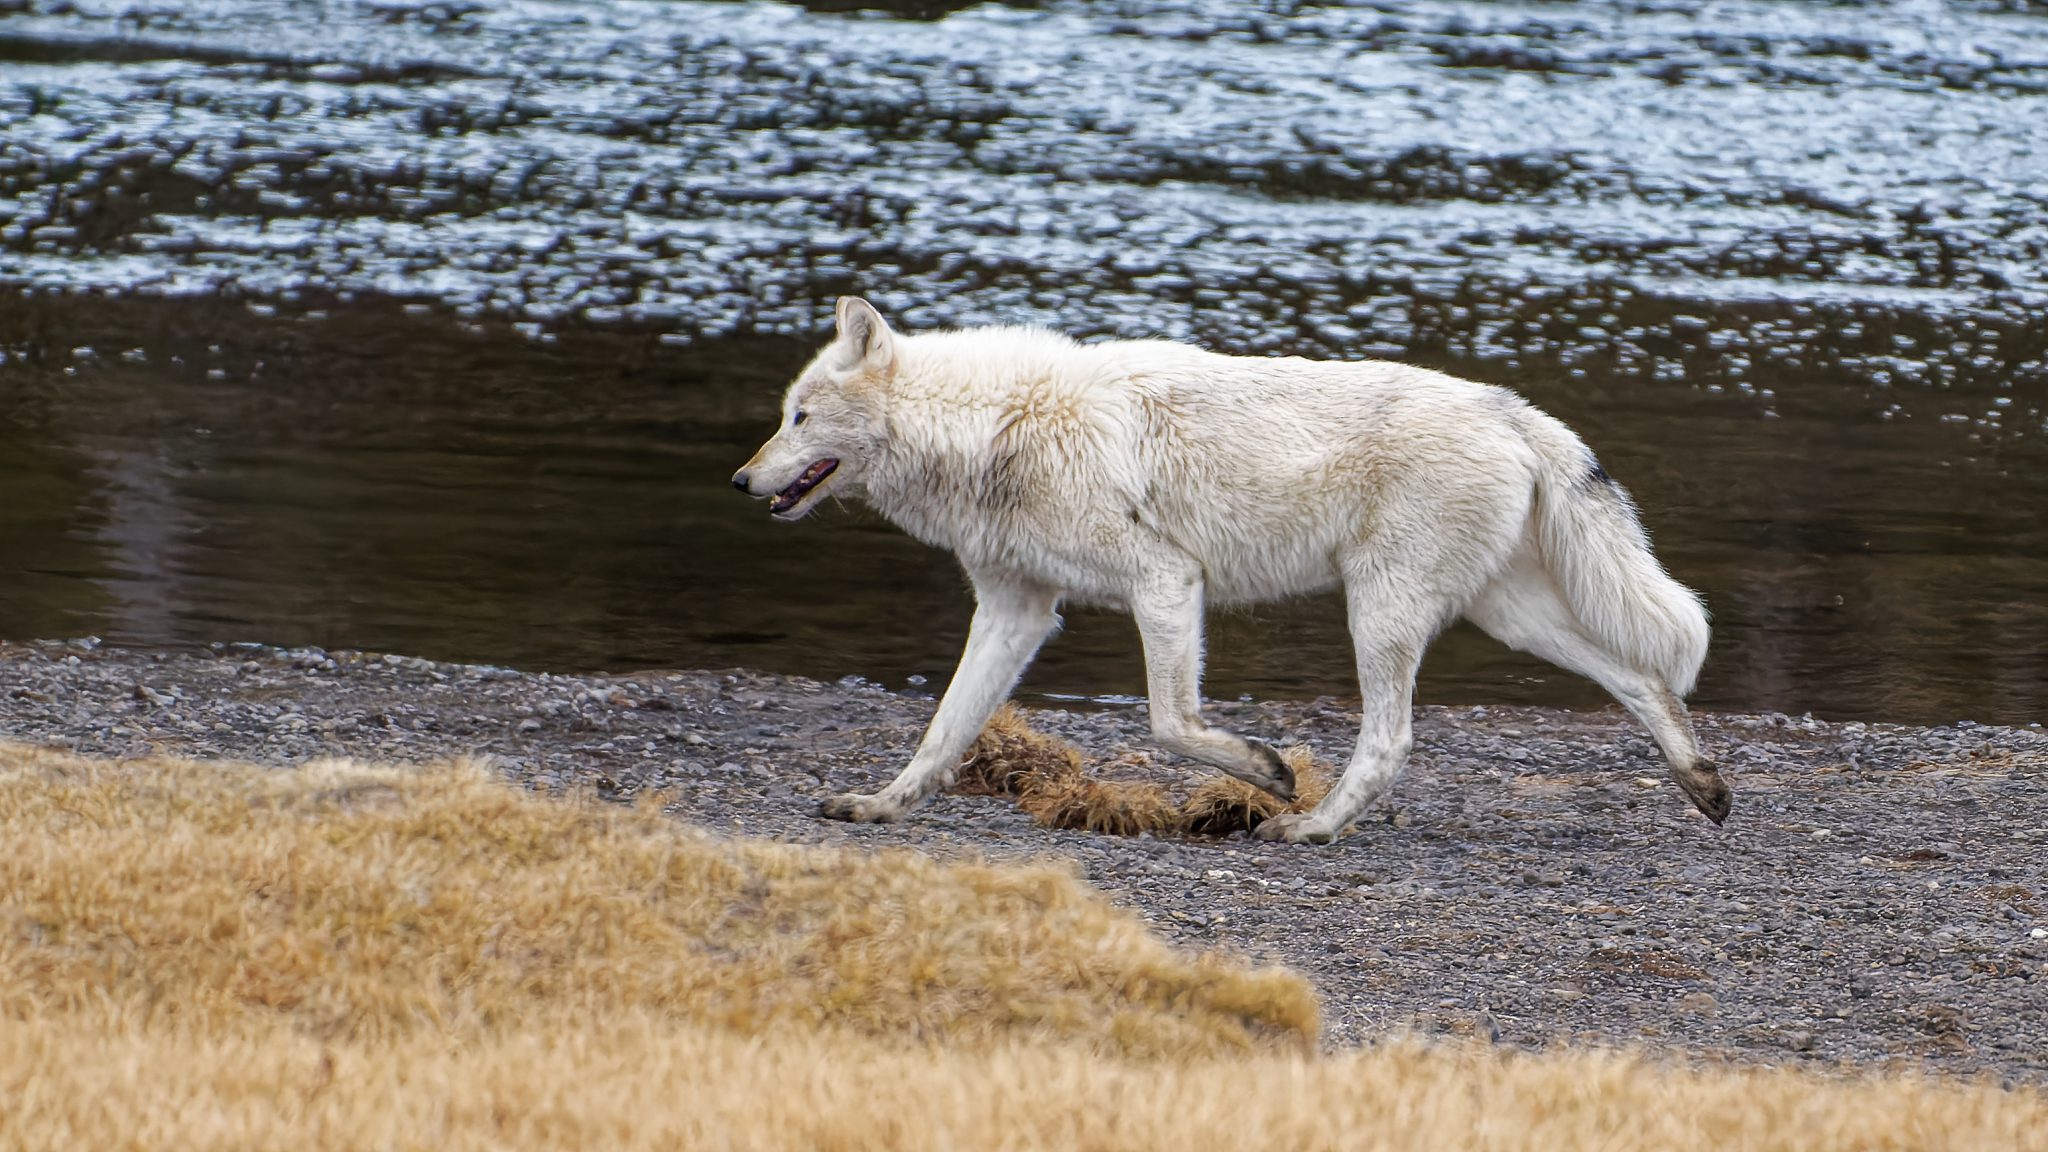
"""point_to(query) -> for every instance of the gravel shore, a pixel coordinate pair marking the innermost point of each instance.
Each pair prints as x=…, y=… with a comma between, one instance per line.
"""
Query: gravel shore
x=1878, y=898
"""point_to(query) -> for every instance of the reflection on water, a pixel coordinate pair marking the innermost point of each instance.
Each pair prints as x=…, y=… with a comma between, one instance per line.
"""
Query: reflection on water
x=191, y=472
x=1783, y=270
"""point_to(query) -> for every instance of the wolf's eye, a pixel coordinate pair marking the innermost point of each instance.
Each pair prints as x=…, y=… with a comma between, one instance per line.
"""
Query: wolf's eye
x=799, y=418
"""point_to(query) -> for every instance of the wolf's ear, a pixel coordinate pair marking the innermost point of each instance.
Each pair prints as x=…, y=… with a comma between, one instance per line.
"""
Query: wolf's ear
x=865, y=336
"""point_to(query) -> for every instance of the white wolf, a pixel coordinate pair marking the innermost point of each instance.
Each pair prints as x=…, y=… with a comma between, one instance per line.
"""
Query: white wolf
x=1156, y=477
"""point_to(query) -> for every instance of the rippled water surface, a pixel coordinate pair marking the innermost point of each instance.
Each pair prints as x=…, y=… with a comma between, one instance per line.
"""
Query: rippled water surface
x=438, y=327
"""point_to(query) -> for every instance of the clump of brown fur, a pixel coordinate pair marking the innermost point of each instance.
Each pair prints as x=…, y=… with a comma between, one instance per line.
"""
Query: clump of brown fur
x=1221, y=805
x=1045, y=774
x=1116, y=807
x=1008, y=751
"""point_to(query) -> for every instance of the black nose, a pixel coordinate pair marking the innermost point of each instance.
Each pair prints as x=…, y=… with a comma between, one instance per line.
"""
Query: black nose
x=739, y=481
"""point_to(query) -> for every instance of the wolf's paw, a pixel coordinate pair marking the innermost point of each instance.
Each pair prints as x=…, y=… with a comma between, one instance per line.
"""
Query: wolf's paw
x=1294, y=828
x=860, y=809
x=1279, y=778
x=1707, y=791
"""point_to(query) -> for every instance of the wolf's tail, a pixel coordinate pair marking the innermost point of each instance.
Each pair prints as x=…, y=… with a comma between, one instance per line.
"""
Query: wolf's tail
x=1597, y=550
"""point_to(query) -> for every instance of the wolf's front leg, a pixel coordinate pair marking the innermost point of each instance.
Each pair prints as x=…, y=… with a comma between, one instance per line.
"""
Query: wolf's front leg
x=1392, y=621
x=1010, y=621
x=1168, y=609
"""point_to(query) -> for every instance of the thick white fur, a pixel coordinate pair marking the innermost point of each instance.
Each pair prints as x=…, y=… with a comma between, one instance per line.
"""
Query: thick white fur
x=1155, y=477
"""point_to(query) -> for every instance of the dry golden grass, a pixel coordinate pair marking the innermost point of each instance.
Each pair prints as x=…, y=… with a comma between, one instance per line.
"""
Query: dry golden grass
x=367, y=904
x=624, y=1083
x=1048, y=777
x=343, y=957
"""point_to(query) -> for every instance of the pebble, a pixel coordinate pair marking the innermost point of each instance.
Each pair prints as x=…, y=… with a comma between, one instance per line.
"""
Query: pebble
x=1699, y=1003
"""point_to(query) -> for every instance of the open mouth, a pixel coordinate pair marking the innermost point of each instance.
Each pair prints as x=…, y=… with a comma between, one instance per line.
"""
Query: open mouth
x=801, y=487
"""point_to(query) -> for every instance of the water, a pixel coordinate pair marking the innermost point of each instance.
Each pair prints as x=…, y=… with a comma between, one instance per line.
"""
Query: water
x=438, y=329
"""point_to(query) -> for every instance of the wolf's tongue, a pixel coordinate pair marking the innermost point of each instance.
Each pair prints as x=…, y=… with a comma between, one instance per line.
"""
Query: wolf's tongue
x=811, y=478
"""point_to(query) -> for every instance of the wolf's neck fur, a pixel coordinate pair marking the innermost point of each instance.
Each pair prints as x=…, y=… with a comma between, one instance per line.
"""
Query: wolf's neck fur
x=959, y=406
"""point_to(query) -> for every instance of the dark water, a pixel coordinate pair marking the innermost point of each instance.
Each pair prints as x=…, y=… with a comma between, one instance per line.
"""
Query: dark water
x=369, y=480
x=438, y=328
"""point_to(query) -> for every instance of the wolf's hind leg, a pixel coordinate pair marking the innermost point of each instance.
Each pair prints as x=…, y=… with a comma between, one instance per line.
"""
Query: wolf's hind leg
x=1011, y=620
x=1168, y=610
x=1523, y=609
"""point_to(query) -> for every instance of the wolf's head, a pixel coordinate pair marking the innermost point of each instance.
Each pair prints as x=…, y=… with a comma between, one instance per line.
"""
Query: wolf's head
x=832, y=422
